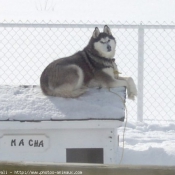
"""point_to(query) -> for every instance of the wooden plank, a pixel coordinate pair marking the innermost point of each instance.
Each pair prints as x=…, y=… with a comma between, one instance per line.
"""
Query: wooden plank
x=84, y=169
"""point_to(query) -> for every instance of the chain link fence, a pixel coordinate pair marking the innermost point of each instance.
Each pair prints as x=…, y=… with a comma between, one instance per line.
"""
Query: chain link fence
x=144, y=52
x=159, y=77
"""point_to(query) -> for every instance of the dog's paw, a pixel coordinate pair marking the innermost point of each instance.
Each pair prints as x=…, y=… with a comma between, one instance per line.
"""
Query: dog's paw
x=132, y=96
x=132, y=90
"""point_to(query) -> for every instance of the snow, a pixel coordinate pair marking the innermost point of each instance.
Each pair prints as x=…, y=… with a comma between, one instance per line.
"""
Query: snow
x=148, y=144
x=29, y=104
x=145, y=144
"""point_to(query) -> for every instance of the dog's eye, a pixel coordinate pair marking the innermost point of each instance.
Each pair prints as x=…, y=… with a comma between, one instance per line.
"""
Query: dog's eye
x=108, y=40
x=102, y=42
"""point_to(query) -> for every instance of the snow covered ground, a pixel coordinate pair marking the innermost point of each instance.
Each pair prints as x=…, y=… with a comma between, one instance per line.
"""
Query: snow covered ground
x=148, y=144
x=145, y=144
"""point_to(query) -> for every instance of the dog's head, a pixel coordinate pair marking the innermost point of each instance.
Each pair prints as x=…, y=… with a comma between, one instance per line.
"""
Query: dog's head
x=103, y=44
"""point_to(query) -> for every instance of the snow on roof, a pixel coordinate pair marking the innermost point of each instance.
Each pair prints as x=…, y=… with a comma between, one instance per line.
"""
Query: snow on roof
x=27, y=103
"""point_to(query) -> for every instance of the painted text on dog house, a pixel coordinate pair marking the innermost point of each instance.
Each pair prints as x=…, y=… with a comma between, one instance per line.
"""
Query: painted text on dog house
x=24, y=143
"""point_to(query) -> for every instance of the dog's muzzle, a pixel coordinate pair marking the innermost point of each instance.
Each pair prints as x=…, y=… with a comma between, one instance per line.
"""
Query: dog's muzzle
x=108, y=48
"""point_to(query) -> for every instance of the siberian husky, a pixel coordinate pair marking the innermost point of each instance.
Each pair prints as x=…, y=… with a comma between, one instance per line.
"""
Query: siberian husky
x=94, y=66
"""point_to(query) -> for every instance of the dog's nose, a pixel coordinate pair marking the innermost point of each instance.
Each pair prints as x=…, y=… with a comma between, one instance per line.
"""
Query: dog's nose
x=109, y=48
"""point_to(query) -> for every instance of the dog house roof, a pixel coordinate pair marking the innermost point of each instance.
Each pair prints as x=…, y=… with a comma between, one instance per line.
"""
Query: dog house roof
x=27, y=103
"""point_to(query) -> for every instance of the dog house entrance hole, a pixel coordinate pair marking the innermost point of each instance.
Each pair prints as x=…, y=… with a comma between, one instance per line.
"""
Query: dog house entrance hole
x=84, y=155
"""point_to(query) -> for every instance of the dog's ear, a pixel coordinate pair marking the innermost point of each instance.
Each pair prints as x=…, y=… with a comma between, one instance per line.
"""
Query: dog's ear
x=96, y=32
x=107, y=30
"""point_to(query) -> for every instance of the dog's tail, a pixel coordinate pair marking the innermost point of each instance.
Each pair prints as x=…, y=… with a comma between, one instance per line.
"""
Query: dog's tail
x=59, y=92
x=63, y=91
x=66, y=90
x=44, y=83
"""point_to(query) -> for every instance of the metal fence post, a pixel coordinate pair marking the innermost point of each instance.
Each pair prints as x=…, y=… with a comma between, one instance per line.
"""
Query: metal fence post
x=140, y=72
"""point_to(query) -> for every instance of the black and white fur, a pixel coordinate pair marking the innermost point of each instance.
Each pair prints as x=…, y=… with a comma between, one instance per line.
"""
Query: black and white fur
x=94, y=66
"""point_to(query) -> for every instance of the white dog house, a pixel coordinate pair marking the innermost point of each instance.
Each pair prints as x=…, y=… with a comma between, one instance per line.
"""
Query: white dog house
x=35, y=127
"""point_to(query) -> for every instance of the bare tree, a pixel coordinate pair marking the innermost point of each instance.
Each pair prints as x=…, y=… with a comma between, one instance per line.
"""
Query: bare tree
x=45, y=5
